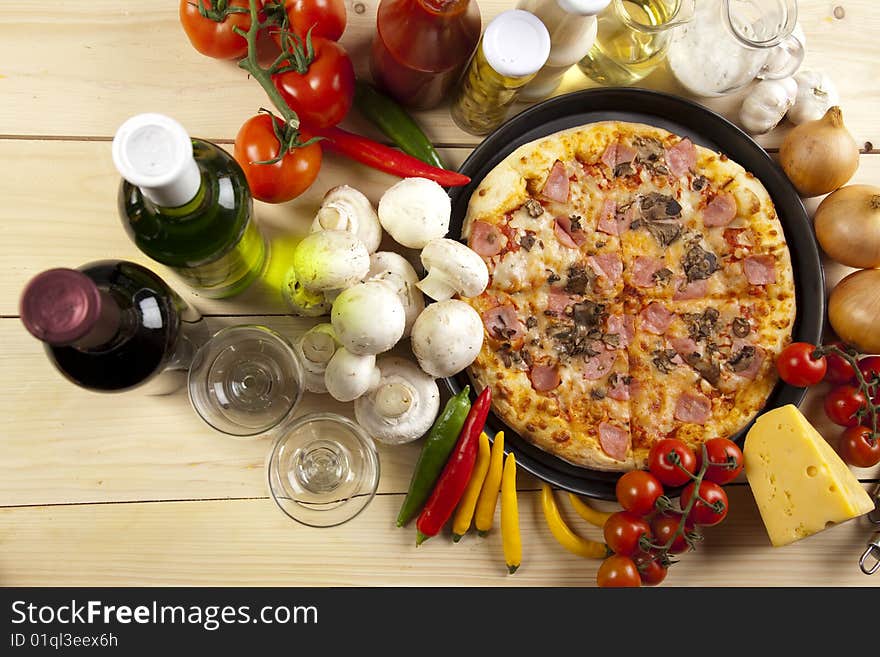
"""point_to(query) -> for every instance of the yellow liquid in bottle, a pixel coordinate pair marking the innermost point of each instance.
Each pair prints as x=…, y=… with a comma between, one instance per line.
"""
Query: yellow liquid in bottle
x=626, y=48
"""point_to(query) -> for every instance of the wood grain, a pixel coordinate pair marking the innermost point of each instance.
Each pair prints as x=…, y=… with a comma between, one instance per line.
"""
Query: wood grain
x=250, y=542
x=96, y=63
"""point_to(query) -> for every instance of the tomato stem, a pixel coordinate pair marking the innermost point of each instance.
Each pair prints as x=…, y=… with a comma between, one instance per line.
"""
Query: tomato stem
x=869, y=390
x=219, y=11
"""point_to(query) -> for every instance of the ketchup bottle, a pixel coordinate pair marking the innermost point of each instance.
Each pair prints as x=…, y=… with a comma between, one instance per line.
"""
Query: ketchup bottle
x=422, y=46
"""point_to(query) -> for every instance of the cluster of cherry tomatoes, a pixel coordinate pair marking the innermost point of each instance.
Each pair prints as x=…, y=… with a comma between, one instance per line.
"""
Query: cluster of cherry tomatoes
x=852, y=400
x=651, y=529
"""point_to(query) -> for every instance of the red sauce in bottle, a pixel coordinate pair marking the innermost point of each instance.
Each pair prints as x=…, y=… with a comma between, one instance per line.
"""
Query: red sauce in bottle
x=421, y=47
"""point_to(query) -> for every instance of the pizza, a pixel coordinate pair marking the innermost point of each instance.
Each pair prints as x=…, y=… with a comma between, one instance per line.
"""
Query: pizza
x=640, y=289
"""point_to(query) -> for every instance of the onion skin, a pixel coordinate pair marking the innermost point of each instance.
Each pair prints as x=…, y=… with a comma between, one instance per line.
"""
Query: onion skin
x=854, y=310
x=848, y=226
x=819, y=156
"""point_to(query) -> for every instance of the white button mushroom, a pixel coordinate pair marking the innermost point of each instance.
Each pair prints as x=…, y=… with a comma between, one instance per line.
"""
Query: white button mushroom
x=415, y=211
x=368, y=318
x=303, y=302
x=345, y=208
x=395, y=270
x=447, y=337
x=315, y=348
x=348, y=375
x=402, y=407
x=452, y=269
x=330, y=260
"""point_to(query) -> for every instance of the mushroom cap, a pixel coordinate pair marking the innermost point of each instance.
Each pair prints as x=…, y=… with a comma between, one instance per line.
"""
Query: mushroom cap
x=404, y=387
x=414, y=211
x=315, y=348
x=330, y=259
x=447, y=337
x=453, y=268
x=348, y=375
x=345, y=208
x=368, y=318
x=396, y=270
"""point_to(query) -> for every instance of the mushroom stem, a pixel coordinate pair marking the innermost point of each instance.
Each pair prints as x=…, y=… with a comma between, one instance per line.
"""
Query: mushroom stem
x=437, y=285
x=318, y=347
x=330, y=218
x=394, y=399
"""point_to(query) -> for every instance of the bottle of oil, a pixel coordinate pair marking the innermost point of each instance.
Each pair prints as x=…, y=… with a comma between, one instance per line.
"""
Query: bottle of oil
x=632, y=39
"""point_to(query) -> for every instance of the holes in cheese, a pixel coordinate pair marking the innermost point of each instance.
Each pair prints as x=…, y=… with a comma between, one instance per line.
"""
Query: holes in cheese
x=800, y=484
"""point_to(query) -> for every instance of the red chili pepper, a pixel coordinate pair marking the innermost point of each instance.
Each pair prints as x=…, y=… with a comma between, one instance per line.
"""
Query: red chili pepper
x=387, y=159
x=456, y=473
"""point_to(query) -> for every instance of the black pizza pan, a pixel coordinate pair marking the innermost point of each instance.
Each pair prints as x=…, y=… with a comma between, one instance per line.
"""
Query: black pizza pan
x=704, y=127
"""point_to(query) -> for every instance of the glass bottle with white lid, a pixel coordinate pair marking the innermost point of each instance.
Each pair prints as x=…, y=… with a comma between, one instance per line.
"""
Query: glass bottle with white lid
x=572, y=26
x=513, y=49
x=186, y=203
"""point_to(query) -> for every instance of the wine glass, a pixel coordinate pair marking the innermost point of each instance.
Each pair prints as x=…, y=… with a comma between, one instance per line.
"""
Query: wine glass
x=245, y=381
x=323, y=469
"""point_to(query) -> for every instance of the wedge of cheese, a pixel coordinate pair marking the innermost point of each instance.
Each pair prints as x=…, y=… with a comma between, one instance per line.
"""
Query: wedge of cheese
x=800, y=483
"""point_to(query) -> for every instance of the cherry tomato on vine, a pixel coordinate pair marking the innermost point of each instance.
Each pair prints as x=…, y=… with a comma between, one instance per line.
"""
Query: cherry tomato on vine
x=797, y=367
x=703, y=513
x=669, y=473
x=322, y=95
x=651, y=571
x=725, y=460
x=216, y=38
x=856, y=447
x=325, y=18
x=664, y=528
x=637, y=491
x=839, y=370
x=623, y=530
x=842, y=403
x=618, y=572
x=280, y=181
x=869, y=366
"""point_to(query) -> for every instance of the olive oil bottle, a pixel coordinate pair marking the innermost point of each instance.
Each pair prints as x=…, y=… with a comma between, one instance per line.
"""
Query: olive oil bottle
x=632, y=39
x=186, y=203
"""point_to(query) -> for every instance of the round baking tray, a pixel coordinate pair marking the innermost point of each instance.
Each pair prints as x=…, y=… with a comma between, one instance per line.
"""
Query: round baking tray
x=704, y=127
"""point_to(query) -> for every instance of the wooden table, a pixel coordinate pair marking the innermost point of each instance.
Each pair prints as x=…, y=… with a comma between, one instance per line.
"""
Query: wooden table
x=130, y=489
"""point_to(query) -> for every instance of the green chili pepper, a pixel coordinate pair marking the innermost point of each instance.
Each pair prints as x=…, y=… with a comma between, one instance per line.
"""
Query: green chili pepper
x=395, y=123
x=435, y=452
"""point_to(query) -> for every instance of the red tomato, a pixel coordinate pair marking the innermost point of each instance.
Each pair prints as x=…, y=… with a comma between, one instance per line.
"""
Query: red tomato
x=703, y=513
x=664, y=528
x=869, y=366
x=797, y=366
x=618, y=572
x=669, y=473
x=842, y=403
x=213, y=38
x=282, y=180
x=857, y=448
x=623, y=530
x=321, y=96
x=637, y=491
x=325, y=18
x=651, y=571
x=839, y=370
x=725, y=460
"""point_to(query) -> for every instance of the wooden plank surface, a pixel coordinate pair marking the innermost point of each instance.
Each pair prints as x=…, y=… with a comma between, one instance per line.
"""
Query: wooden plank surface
x=95, y=63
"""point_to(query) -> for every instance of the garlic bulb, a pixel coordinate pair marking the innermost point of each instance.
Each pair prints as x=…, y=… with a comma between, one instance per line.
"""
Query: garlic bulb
x=766, y=104
x=816, y=93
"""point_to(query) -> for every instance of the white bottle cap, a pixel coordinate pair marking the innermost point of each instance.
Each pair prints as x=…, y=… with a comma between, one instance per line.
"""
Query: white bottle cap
x=154, y=152
x=516, y=43
x=583, y=7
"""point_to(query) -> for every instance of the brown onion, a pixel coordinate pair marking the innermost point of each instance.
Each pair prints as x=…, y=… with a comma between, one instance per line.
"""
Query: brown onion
x=854, y=310
x=848, y=225
x=819, y=156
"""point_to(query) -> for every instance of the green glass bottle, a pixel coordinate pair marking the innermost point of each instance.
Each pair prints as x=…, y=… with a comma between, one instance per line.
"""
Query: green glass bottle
x=186, y=203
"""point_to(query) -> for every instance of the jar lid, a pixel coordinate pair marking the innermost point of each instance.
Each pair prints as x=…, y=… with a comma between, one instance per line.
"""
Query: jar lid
x=60, y=306
x=516, y=43
x=154, y=152
x=583, y=7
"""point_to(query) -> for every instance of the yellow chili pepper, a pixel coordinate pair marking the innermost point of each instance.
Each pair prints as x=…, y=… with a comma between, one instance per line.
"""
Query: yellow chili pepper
x=510, y=537
x=485, y=513
x=587, y=512
x=582, y=547
x=465, y=512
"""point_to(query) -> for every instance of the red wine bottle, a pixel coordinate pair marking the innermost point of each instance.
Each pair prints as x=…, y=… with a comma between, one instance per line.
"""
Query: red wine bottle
x=113, y=325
